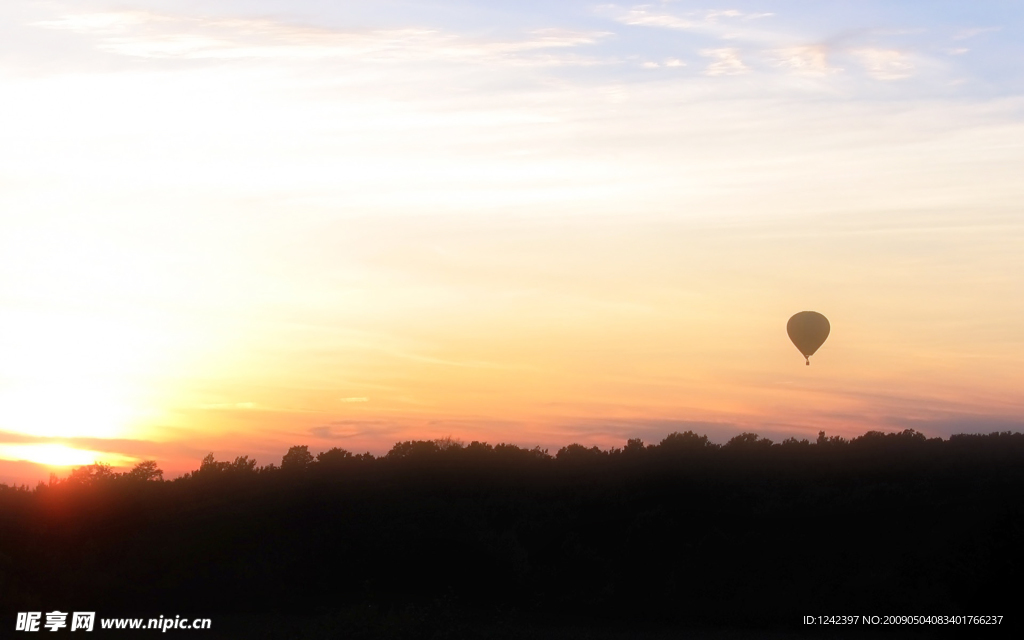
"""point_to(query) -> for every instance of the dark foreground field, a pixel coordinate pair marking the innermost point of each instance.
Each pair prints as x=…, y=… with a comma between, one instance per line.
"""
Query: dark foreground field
x=443, y=540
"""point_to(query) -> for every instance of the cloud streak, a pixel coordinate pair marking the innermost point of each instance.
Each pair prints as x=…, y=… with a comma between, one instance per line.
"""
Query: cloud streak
x=967, y=34
x=885, y=64
x=727, y=62
x=343, y=429
x=763, y=50
x=151, y=35
x=124, y=447
x=804, y=59
x=722, y=23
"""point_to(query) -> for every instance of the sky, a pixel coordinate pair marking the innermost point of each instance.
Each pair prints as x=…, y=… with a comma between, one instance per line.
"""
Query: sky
x=243, y=225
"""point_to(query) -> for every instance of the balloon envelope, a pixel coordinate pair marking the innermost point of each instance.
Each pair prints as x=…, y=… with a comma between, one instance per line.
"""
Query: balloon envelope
x=808, y=330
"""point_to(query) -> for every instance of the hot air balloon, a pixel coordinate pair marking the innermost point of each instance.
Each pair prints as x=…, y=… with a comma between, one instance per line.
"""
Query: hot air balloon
x=808, y=330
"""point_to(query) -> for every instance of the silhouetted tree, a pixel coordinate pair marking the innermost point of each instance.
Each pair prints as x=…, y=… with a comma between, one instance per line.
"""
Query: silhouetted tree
x=748, y=442
x=146, y=471
x=577, y=454
x=791, y=443
x=297, y=459
x=831, y=441
x=333, y=456
x=91, y=474
x=683, y=443
x=634, y=447
x=448, y=443
x=243, y=464
x=413, y=449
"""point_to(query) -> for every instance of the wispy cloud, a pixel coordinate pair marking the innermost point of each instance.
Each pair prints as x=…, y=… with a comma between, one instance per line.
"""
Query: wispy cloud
x=230, y=406
x=752, y=44
x=885, y=64
x=805, y=59
x=150, y=35
x=643, y=17
x=729, y=24
x=358, y=429
x=118, y=449
x=727, y=62
x=713, y=16
x=106, y=22
x=977, y=31
x=647, y=15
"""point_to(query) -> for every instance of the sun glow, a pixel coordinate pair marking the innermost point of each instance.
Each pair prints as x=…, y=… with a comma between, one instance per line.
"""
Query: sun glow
x=66, y=373
x=58, y=455
x=66, y=408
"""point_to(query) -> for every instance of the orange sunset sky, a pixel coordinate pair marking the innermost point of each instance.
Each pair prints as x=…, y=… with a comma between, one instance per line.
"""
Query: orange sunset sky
x=244, y=225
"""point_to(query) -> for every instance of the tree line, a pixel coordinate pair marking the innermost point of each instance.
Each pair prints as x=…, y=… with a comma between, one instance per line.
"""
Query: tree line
x=908, y=445
x=440, y=538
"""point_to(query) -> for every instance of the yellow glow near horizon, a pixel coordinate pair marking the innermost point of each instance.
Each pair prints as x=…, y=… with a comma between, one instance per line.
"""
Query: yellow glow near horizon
x=58, y=455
